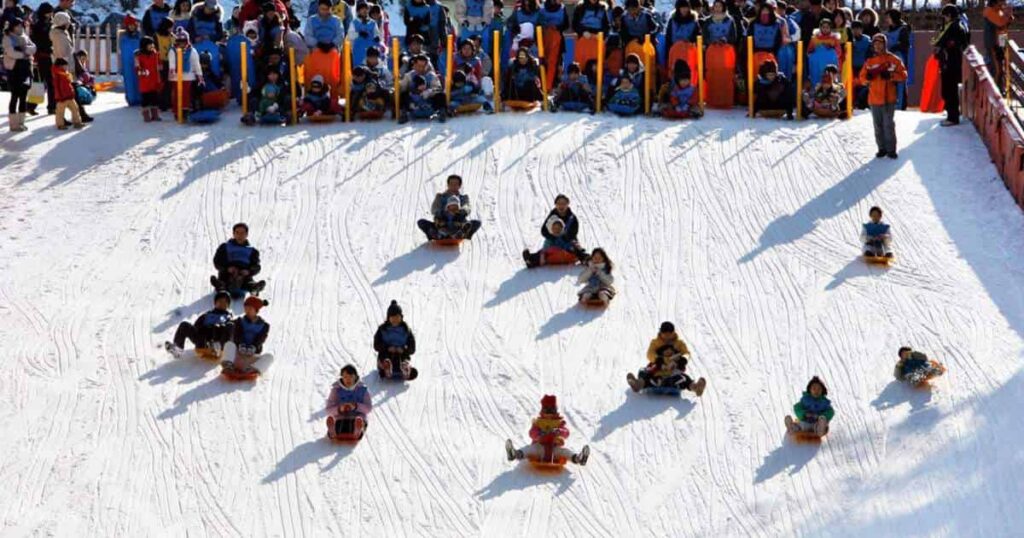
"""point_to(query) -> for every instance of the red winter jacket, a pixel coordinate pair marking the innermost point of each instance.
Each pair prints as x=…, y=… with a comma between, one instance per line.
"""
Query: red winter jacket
x=252, y=10
x=63, y=90
x=147, y=66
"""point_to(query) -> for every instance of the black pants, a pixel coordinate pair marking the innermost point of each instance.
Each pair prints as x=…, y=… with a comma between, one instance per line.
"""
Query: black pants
x=236, y=281
x=679, y=381
x=19, y=80
x=202, y=336
x=432, y=232
x=438, y=101
x=19, y=99
x=396, y=363
x=43, y=65
x=165, y=92
x=151, y=99
x=951, y=94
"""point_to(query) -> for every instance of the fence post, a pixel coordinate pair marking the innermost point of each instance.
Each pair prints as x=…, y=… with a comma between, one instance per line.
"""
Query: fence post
x=800, y=79
x=395, y=52
x=543, y=71
x=700, y=72
x=292, y=72
x=497, y=71
x=180, y=83
x=600, y=70
x=848, y=69
x=245, y=77
x=750, y=76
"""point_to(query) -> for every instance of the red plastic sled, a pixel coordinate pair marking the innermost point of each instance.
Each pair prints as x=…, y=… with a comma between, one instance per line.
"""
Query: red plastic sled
x=548, y=462
x=322, y=118
x=686, y=51
x=613, y=63
x=557, y=256
x=216, y=99
x=719, y=73
x=594, y=303
x=931, y=88
x=234, y=374
x=447, y=242
x=671, y=114
x=345, y=438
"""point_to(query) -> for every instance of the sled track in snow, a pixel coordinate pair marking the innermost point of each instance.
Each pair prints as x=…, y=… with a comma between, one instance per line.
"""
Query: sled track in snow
x=743, y=233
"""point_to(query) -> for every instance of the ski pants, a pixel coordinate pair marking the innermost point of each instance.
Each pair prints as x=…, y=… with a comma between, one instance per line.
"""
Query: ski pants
x=884, y=118
x=679, y=381
x=202, y=336
x=951, y=94
x=431, y=230
x=396, y=363
x=536, y=451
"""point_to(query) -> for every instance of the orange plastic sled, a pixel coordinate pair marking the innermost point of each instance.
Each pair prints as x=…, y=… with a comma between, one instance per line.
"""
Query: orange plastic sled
x=878, y=260
x=586, y=50
x=322, y=118
x=760, y=58
x=521, y=105
x=931, y=88
x=719, y=72
x=614, y=62
x=552, y=55
x=237, y=375
x=686, y=51
x=207, y=354
x=447, y=242
x=594, y=303
x=557, y=256
x=327, y=65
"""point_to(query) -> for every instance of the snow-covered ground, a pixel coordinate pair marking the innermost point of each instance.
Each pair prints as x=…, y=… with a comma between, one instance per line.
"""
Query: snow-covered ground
x=743, y=233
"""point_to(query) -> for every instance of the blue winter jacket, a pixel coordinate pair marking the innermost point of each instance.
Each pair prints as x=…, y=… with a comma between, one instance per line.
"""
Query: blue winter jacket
x=809, y=408
x=232, y=254
x=872, y=229
x=357, y=395
x=716, y=32
x=388, y=335
x=861, y=49
x=251, y=332
x=680, y=29
x=214, y=318
x=320, y=30
x=625, y=102
x=635, y=28
x=553, y=18
x=767, y=37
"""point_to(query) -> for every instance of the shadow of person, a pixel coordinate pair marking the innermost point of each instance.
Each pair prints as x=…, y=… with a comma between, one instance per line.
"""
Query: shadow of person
x=309, y=453
x=185, y=313
x=897, y=393
x=573, y=316
x=856, y=268
x=189, y=369
x=420, y=258
x=789, y=455
x=523, y=477
x=200, y=393
x=385, y=389
x=525, y=280
x=639, y=407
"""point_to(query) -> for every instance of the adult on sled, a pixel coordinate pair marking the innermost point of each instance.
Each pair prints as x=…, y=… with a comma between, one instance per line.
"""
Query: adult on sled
x=250, y=333
x=211, y=330
x=451, y=211
x=561, y=229
x=395, y=345
x=598, y=280
x=876, y=236
x=548, y=434
x=347, y=406
x=667, y=357
x=915, y=367
x=813, y=411
x=237, y=262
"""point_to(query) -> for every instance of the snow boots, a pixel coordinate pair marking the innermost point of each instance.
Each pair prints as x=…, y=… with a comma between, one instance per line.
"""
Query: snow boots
x=582, y=457
x=17, y=122
x=510, y=451
x=635, y=383
x=174, y=350
x=698, y=387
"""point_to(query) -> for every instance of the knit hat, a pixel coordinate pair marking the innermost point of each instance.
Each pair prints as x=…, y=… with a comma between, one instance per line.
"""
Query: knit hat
x=549, y=403
x=180, y=34
x=394, y=309
x=44, y=9
x=681, y=69
x=60, y=19
x=255, y=302
x=880, y=37
x=667, y=327
x=769, y=66
x=317, y=79
x=632, y=3
x=251, y=26
x=221, y=295
x=128, y=20
x=817, y=381
x=418, y=81
x=452, y=201
x=550, y=224
x=526, y=31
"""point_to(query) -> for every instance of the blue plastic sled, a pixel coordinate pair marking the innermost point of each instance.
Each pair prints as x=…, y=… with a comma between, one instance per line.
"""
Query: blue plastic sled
x=573, y=106
x=234, y=61
x=818, y=60
x=663, y=391
x=272, y=119
x=786, y=58
x=127, y=45
x=203, y=117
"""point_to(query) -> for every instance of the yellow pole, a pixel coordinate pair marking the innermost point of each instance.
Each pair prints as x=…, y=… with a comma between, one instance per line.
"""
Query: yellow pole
x=543, y=70
x=799, y=80
x=600, y=69
x=497, y=71
x=750, y=76
x=848, y=68
x=450, y=69
x=244, y=83
x=700, y=72
x=291, y=68
x=181, y=73
x=346, y=63
x=648, y=69
x=397, y=68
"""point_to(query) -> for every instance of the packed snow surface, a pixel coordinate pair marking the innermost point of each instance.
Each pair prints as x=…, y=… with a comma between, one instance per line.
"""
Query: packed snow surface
x=744, y=233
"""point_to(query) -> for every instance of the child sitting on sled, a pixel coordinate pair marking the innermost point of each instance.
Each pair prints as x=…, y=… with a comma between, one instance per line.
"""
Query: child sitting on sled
x=212, y=330
x=575, y=94
x=626, y=99
x=915, y=367
x=813, y=411
x=826, y=99
x=675, y=97
x=250, y=333
x=667, y=357
x=450, y=210
x=556, y=243
x=318, y=100
x=772, y=91
x=597, y=278
x=876, y=236
x=348, y=405
x=466, y=91
x=395, y=345
x=548, y=434
x=270, y=100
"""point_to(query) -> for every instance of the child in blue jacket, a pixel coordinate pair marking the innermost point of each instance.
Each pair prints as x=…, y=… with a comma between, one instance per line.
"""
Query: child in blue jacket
x=575, y=94
x=876, y=236
x=348, y=405
x=626, y=99
x=395, y=345
x=813, y=411
x=915, y=367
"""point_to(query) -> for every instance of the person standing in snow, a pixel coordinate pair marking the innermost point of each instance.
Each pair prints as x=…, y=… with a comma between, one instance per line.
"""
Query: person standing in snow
x=237, y=262
x=882, y=74
x=949, y=45
x=18, y=52
x=451, y=211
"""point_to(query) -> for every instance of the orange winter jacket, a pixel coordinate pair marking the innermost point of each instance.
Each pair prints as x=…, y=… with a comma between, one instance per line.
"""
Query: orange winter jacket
x=882, y=91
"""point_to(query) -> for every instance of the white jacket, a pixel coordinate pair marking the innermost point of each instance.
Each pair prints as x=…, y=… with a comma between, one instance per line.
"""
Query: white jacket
x=195, y=69
x=11, y=53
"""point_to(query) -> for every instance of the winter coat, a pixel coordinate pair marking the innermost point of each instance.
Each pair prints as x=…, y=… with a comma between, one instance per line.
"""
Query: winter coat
x=575, y=92
x=193, y=70
x=251, y=332
x=772, y=94
x=357, y=394
x=40, y=35
x=572, y=225
x=996, y=26
x=207, y=25
x=635, y=28
x=681, y=28
x=827, y=96
x=861, y=51
x=723, y=31
x=388, y=335
x=418, y=19
x=596, y=278
x=63, y=90
x=213, y=318
x=232, y=254
x=270, y=101
x=63, y=46
x=553, y=18
x=153, y=17
x=916, y=361
x=767, y=37
x=680, y=98
x=437, y=207
x=657, y=343
x=882, y=91
x=898, y=40
x=520, y=17
x=18, y=50
x=625, y=101
x=949, y=45
x=322, y=102
x=809, y=408
x=549, y=430
x=475, y=12
x=521, y=80
x=364, y=29
x=431, y=78
x=590, y=18
x=147, y=67
x=324, y=30
x=875, y=232
x=831, y=40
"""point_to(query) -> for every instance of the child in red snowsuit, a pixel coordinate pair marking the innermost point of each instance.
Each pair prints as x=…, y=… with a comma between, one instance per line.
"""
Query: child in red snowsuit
x=147, y=67
x=548, y=434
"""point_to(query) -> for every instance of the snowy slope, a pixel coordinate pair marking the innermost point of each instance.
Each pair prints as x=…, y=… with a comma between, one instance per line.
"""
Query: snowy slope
x=743, y=233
